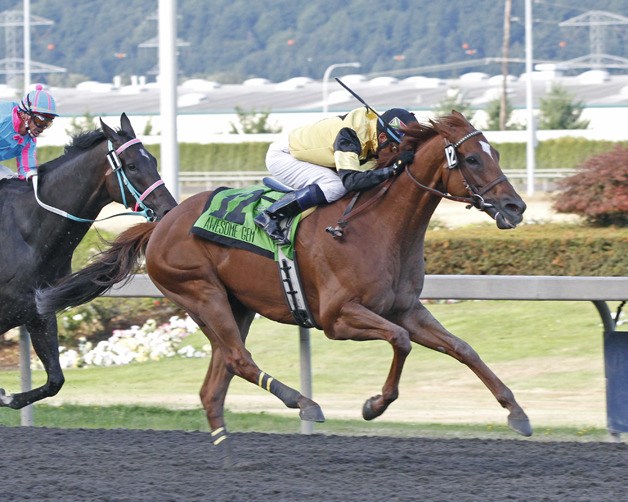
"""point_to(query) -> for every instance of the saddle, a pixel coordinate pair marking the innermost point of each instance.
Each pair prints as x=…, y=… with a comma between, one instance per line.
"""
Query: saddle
x=227, y=219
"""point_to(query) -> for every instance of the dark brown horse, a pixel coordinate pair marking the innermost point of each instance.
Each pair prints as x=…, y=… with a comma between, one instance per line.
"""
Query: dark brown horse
x=42, y=223
x=364, y=285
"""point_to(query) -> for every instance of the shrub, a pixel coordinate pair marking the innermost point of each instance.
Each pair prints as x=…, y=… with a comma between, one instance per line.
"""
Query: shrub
x=559, y=111
x=551, y=249
x=599, y=190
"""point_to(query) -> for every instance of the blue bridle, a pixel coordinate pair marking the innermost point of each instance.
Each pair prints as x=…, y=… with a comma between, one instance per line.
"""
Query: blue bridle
x=123, y=181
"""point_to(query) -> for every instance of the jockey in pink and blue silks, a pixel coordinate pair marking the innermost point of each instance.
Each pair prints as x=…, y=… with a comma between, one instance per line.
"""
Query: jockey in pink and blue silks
x=20, y=125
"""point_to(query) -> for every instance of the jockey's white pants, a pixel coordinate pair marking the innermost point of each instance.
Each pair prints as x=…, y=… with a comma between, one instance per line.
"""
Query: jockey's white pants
x=298, y=174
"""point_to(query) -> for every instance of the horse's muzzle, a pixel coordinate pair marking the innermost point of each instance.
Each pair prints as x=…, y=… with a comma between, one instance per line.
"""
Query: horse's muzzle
x=507, y=215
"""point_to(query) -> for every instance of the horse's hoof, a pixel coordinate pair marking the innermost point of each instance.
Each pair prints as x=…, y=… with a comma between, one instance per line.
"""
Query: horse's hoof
x=312, y=413
x=368, y=411
x=4, y=399
x=520, y=425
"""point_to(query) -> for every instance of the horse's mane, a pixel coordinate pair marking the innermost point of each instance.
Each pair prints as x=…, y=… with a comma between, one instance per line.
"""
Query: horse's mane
x=78, y=144
x=418, y=133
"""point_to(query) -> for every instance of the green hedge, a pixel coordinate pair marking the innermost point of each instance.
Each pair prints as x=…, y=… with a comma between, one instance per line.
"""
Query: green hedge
x=554, y=154
x=528, y=250
x=551, y=154
x=548, y=249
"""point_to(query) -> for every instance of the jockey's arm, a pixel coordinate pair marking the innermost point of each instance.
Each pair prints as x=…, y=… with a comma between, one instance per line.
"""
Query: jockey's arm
x=356, y=181
x=347, y=148
x=27, y=162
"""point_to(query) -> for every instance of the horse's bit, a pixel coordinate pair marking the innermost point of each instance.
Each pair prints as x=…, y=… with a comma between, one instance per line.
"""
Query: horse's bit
x=116, y=167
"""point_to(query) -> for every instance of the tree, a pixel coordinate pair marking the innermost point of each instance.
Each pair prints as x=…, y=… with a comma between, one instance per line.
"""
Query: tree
x=559, y=111
x=79, y=125
x=496, y=113
x=599, y=190
x=253, y=122
x=454, y=100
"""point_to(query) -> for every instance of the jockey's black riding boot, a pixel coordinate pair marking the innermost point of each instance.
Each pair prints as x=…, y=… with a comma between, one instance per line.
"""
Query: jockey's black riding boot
x=290, y=204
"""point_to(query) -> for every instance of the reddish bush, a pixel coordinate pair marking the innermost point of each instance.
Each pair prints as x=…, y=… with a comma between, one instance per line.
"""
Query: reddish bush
x=599, y=190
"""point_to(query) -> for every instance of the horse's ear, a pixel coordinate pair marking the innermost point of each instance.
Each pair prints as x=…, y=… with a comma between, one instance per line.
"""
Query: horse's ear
x=126, y=125
x=109, y=132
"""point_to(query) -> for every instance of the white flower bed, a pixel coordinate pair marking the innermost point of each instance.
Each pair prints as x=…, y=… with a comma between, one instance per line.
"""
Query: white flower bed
x=148, y=343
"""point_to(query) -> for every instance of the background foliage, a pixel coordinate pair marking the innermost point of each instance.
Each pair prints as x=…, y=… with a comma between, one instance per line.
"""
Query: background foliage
x=528, y=250
x=230, y=40
x=599, y=190
x=559, y=111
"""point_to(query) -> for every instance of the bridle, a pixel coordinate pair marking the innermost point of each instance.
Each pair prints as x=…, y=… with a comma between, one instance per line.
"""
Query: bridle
x=451, y=155
x=118, y=168
x=475, y=198
x=123, y=181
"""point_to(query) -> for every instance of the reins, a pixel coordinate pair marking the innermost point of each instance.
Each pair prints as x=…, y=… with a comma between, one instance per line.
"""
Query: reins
x=475, y=200
x=116, y=167
x=349, y=212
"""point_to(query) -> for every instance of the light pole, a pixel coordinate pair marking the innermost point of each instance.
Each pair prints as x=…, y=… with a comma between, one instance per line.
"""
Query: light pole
x=326, y=76
x=531, y=143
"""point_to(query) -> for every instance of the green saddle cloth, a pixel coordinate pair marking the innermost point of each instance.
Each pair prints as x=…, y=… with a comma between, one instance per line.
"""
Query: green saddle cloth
x=228, y=219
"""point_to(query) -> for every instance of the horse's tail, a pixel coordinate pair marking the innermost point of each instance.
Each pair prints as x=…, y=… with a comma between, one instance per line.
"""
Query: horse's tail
x=109, y=267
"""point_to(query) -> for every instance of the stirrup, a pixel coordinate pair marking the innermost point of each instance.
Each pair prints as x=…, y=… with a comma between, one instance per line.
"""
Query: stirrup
x=272, y=227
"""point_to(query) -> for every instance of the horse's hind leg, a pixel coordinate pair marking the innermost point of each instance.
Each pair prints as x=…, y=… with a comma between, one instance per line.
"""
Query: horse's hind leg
x=226, y=324
x=433, y=335
x=213, y=393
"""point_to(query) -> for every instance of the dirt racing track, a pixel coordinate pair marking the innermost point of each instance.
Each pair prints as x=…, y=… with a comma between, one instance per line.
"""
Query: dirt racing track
x=126, y=465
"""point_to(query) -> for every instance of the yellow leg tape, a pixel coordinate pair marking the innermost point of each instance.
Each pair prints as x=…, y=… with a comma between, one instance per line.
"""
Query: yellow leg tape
x=260, y=382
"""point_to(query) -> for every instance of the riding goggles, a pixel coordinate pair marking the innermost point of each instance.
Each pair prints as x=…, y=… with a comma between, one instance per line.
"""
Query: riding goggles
x=41, y=121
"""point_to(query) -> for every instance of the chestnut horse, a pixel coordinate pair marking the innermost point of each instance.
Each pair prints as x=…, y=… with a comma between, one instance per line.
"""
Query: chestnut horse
x=362, y=285
x=41, y=230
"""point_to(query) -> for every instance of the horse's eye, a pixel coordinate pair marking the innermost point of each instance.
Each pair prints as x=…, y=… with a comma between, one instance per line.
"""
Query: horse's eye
x=131, y=166
x=472, y=160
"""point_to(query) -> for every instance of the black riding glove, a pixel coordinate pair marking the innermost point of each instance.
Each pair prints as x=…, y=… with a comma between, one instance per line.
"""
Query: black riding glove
x=356, y=181
x=405, y=158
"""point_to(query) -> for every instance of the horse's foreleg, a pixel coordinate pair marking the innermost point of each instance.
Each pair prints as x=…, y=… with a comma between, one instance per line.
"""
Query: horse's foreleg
x=43, y=333
x=427, y=331
x=356, y=322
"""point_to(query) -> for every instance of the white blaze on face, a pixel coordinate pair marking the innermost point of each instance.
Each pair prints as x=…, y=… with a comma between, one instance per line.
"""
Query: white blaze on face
x=487, y=148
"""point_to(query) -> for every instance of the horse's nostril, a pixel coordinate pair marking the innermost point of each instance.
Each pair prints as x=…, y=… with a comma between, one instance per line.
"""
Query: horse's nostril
x=517, y=208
